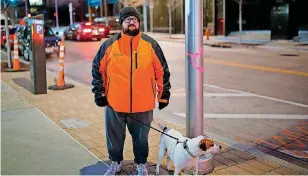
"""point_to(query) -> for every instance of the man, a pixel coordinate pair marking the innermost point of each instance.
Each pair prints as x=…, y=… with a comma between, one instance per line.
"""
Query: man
x=129, y=72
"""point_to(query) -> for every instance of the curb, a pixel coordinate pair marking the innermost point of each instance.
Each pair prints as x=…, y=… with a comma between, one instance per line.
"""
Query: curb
x=217, y=44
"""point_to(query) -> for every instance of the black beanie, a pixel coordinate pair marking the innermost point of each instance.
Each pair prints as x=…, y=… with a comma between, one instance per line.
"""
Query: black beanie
x=128, y=11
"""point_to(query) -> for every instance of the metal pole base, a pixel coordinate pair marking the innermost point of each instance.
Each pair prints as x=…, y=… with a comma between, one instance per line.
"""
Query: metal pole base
x=206, y=165
x=66, y=86
x=11, y=70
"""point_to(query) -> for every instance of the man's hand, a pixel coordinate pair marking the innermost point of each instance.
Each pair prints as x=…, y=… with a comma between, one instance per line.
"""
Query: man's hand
x=162, y=105
x=101, y=101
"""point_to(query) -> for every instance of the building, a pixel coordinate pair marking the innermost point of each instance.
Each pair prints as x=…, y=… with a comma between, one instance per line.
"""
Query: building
x=282, y=17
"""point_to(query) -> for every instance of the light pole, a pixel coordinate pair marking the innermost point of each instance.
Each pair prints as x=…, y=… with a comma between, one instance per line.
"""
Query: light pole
x=194, y=77
x=71, y=12
x=26, y=7
x=7, y=35
x=57, y=18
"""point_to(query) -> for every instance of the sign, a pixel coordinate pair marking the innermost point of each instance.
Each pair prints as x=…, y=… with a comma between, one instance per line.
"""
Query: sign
x=39, y=29
x=35, y=21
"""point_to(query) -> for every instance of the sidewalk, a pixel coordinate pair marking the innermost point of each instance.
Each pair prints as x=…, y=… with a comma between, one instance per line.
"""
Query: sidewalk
x=33, y=145
x=75, y=112
x=233, y=41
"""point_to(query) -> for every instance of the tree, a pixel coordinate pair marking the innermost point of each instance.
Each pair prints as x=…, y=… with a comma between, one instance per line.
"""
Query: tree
x=172, y=5
x=7, y=5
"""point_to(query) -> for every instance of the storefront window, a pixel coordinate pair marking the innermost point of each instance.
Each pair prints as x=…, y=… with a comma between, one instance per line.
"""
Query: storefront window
x=208, y=14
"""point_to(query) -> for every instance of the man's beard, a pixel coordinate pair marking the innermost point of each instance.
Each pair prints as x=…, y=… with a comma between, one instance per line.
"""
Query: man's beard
x=130, y=32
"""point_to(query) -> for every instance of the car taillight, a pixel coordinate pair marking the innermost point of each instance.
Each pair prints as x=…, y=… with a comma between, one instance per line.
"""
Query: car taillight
x=101, y=29
x=86, y=30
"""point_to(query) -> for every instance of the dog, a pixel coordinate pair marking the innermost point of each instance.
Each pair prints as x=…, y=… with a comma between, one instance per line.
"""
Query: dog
x=184, y=152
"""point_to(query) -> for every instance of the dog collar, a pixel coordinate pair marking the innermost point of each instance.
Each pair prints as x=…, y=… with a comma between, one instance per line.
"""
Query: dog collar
x=187, y=149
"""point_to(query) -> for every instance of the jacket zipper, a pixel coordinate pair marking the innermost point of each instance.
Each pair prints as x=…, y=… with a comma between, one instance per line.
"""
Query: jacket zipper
x=131, y=75
x=136, y=59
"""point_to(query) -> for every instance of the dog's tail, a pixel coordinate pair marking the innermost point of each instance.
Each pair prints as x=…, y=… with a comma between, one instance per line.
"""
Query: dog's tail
x=161, y=126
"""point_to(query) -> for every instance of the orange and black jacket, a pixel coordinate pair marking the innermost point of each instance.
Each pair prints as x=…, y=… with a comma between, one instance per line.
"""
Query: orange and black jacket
x=131, y=71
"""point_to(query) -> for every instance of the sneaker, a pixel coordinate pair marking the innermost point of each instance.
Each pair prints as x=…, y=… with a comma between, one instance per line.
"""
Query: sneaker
x=114, y=168
x=142, y=169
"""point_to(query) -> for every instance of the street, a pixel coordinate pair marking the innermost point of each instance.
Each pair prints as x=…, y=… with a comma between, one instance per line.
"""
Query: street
x=255, y=100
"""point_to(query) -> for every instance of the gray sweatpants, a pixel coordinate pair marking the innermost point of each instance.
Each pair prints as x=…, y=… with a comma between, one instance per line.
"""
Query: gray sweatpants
x=115, y=125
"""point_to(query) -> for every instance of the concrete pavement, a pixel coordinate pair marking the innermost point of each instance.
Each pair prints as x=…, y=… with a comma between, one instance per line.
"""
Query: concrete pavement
x=31, y=144
x=76, y=105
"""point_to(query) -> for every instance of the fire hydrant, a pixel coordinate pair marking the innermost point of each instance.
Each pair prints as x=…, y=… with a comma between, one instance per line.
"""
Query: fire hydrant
x=207, y=34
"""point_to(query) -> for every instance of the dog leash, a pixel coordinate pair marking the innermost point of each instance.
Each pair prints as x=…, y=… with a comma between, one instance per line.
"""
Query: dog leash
x=178, y=141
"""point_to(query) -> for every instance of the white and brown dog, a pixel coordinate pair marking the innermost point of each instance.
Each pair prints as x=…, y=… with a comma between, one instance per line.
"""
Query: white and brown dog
x=184, y=152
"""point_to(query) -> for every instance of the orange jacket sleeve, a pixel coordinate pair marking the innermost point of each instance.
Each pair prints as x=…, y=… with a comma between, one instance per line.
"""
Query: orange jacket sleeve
x=162, y=74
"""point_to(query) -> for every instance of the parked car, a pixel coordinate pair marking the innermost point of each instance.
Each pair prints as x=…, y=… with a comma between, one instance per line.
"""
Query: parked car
x=11, y=38
x=112, y=24
x=85, y=31
x=52, y=42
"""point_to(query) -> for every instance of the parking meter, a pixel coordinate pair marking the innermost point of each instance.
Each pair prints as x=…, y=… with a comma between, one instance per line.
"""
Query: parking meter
x=37, y=55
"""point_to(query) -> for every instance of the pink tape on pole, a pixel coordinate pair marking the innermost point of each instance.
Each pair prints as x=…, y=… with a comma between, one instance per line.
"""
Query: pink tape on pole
x=193, y=56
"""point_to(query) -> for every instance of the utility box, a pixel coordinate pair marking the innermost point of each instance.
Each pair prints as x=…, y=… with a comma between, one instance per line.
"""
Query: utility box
x=37, y=54
x=282, y=22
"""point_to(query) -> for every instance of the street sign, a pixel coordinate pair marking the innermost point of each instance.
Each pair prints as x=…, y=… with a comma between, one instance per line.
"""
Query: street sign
x=39, y=29
x=151, y=4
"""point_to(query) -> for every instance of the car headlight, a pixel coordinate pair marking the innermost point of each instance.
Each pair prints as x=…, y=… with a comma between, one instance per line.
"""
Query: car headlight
x=87, y=30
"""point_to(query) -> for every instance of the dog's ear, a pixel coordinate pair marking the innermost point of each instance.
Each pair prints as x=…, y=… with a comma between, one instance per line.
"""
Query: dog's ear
x=202, y=145
x=206, y=144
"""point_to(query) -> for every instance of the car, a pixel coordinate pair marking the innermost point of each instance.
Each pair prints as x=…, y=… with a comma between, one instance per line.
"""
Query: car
x=111, y=22
x=85, y=31
x=52, y=42
x=11, y=37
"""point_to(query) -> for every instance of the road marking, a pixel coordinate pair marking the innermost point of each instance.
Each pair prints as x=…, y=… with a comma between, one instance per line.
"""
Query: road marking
x=260, y=96
x=233, y=64
x=216, y=95
x=250, y=116
x=178, y=90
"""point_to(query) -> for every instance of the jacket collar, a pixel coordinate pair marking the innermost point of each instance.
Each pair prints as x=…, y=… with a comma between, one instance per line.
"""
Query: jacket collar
x=126, y=37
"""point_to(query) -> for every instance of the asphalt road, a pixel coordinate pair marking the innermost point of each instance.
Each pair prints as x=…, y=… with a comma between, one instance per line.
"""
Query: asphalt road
x=255, y=100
